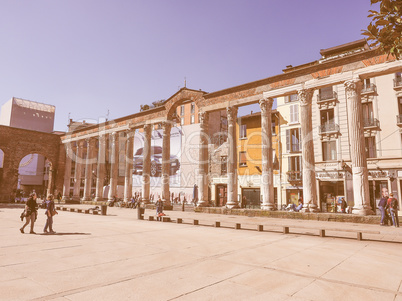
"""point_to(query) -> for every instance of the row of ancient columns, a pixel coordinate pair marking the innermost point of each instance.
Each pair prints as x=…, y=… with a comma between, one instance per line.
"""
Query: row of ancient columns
x=356, y=132
x=359, y=164
x=267, y=160
x=100, y=159
x=357, y=149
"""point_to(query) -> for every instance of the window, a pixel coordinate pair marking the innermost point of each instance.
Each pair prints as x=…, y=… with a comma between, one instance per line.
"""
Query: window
x=243, y=131
x=224, y=165
x=192, y=108
x=294, y=163
x=329, y=151
x=242, y=159
x=368, y=115
x=370, y=147
x=294, y=113
x=192, y=119
x=327, y=117
x=182, y=110
x=182, y=121
x=293, y=141
x=291, y=98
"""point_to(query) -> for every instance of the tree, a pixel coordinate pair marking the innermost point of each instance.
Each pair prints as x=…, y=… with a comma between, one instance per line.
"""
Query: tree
x=385, y=28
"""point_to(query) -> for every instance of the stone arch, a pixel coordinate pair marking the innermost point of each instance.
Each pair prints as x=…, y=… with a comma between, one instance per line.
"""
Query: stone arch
x=181, y=96
x=16, y=144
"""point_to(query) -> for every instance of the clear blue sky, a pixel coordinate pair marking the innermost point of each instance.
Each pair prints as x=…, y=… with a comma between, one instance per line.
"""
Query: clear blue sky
x=90, y=56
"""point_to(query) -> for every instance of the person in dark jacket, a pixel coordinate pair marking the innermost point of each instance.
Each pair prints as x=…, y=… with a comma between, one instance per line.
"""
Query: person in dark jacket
x=381, y=206
x=30, y=213
x=49, y=214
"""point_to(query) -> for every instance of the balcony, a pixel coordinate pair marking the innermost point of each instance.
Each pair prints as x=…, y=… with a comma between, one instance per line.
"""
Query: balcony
x=369, y=123
x=368, y=89
x=327, y=99
x=399, y=120
x=294, y=176
x=398, y=83
x=326, y=128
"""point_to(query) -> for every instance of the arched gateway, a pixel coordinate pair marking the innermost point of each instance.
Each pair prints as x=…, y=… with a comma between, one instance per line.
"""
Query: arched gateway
x=16, y=144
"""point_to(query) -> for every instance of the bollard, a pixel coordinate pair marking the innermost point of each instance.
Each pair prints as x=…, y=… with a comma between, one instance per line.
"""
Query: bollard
x=140, y=212
x=182, y=206
x=165, y=219
x=151, y=218
x=64, y=209
x=217, y=224
x=285, y=230
x=79, y=210
x=95, y=212
x=72, y=209
x=260, y=228
x=359, y=236
x=179, y=220
x=195, y=222
x=103, y=209
x=322, y=232
x=237, y=226
x=86, y=211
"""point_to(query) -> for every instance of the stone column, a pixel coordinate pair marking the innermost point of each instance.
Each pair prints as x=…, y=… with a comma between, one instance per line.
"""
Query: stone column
x=232, y=201
x=67, y=172
x=50, y=181
x=146, y=163
x=88, y=169
x=114, y=162
x=361, y=194
x=267, y=179
x=100, y=172
x=78, y=170
x=167, y=126
x=203, y=161
x=305, y=97
x=128, y=171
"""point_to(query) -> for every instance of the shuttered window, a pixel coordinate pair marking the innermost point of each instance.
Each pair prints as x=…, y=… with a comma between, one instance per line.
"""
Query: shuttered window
x=293, y=141
x=294, y=113
x=242, y=159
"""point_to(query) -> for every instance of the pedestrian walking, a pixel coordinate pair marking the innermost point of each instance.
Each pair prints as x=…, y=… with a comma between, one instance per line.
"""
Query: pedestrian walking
x=392, y=203
x=31, y=213
x=50, y=212
x=159, y=206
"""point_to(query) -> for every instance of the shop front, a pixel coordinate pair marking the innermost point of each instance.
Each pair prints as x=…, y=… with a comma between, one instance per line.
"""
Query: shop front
x=331, y=187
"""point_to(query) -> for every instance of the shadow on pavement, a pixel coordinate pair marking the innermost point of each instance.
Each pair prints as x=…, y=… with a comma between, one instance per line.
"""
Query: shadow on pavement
x=65, y=233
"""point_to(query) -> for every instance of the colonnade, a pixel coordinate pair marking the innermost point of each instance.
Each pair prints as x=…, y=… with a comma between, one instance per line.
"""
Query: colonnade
x=359, y=164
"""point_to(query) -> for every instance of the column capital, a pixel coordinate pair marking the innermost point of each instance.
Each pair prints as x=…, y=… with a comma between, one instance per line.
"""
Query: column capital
x=352, y=87
x=129, y=134
x=305, y=96
x=266, y=104
x=231, y=114
x=166, y=125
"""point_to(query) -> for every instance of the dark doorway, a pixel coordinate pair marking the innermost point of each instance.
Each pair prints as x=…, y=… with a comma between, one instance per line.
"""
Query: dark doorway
x=221, y=195
x=252, y=197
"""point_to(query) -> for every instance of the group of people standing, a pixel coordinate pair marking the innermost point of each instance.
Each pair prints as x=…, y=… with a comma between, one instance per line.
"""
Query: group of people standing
x=389, y=210
x=31, y=213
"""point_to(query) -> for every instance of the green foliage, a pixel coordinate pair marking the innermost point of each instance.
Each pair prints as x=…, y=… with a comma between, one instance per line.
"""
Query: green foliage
x=385, y=28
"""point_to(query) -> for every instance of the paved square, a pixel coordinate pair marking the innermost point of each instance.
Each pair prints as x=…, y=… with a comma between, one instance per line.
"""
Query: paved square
x=118, y=257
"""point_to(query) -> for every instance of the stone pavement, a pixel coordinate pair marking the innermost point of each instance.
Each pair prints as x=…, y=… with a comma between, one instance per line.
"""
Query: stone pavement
x=117, y=257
